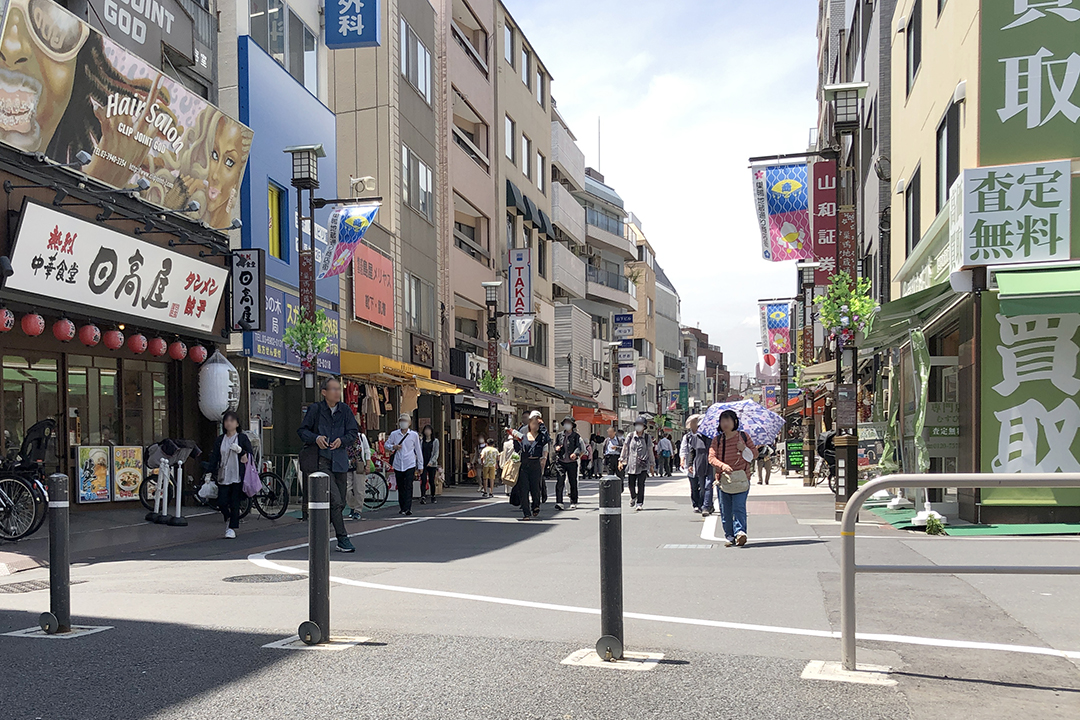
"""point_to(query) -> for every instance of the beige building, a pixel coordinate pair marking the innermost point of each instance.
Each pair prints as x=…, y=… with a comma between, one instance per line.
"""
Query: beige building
x=642, y=272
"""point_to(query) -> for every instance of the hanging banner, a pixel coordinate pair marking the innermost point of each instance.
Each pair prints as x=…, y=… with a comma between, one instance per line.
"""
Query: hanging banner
x=768, y=365
x=521, y=331
x=779, y=325
x=628, y=380
x=786, y=211
x=825, y=217
x=373, y=287
x=248, y=288
x=347, y=227
x=761, y=205
x=521, y=297
x=64, y=259
x=771, y=396
x=79, y=91
x=763, y=319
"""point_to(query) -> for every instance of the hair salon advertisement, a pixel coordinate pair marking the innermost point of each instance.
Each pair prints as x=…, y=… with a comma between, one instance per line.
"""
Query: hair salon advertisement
x=76, y=90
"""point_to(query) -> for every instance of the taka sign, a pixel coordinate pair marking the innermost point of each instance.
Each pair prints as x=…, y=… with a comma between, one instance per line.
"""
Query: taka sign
x=1017, y=213
x=353, y=24
x=65, y=259
x=521, y=297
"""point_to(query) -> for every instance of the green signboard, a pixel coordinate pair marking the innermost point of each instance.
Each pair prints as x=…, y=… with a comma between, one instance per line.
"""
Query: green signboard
x=1030, y=419
x=794, y=455
x=1029, y=81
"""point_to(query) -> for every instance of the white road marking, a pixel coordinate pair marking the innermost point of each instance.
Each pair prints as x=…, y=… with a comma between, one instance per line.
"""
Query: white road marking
x=260, y=559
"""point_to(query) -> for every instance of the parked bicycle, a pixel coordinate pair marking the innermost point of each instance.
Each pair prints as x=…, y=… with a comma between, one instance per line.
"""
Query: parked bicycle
x=24, y=497
x=376, y=488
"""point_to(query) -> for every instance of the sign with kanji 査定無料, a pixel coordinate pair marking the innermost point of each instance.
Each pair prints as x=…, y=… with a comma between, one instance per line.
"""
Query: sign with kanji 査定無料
x=1017, y=213
x=64, y=259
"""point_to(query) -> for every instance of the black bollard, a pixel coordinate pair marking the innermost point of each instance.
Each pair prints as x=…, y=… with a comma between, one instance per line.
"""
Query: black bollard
x=317, y=629
x=58, y=620
x=610, y=645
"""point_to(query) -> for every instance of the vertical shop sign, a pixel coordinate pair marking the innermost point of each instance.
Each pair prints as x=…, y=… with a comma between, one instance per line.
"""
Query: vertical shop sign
x=353, y=24
x=521, y=297
x=248, y=288
x=847, y=249
x=825, y=215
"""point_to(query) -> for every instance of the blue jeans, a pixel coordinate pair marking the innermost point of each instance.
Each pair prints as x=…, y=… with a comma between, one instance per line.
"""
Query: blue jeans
x=705, y=488
x=733, y=513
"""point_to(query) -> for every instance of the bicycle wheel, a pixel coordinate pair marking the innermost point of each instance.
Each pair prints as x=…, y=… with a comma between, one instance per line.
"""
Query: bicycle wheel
x=18, y=511
x=833, y=483
x=273, y=500
x=41, y=501
x=148, y=489
x=376, y=491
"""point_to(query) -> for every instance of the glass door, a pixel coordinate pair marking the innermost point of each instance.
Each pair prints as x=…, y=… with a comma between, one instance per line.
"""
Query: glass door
x=30, y=395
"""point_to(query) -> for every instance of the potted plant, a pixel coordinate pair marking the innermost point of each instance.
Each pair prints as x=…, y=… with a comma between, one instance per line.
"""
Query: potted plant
x=846, y=308
x=307, y=337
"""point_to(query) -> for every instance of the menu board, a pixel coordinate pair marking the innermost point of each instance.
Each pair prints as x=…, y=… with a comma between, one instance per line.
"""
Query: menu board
x=93, y=473
x=127, y=472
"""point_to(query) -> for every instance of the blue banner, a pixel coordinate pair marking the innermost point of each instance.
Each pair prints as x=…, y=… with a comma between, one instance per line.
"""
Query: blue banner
x=353, y=24
x=282, y=309
x=347, y=227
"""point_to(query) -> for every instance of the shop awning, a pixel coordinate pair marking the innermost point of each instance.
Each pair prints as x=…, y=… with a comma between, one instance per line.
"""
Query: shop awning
x=514, y=198
x=574, y=400
x=1039, y=289
x=437, y=387
x=380, y=369
x=895, y=318
x=532, y=213
x=821, y=371
x=546, y=226
x=593, y=416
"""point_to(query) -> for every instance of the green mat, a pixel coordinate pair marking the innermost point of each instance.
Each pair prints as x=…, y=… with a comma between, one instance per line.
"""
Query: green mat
x=901, y=520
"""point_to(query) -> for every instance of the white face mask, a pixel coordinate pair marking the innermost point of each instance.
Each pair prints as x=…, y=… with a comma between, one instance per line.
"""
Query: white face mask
x=403, y=425
x=567, y=427
x=639, y=428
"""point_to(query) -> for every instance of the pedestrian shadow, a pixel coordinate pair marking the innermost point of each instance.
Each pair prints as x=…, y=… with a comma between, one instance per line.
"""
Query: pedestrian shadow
x=781, y=543
x=982, y=681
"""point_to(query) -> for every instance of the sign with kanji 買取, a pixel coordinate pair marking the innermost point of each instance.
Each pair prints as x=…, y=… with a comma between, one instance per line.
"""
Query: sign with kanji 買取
x=353, y=24
x=1029, y=80
x=1030, y=418
x=1017, y=213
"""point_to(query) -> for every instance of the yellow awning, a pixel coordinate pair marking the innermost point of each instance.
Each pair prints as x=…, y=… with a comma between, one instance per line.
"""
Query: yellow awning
x=437, y=386
x=367, y=364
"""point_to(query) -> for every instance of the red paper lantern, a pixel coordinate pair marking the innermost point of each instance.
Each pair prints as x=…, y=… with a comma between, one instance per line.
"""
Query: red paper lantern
x=33, y=324
x=177, y=350
x=197, y=354
x=7, y=319
x=157, y=347
x=137, y=343
x=113, y=339
x=90, y=335
x=63, y=330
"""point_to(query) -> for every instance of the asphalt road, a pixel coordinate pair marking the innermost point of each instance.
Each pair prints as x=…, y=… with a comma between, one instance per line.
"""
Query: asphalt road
x=471, y=613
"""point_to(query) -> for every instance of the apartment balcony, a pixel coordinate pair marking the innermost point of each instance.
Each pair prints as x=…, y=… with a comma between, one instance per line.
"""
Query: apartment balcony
x=611, y=288
x=567, y=213
x=608, y=240
x=566, y=156
x=568, y=270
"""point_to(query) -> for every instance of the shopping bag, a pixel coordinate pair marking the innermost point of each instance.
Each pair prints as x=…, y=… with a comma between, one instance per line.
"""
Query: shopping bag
x=440, y=481
x=208, y=490
x=510, y=473
x=252, y=482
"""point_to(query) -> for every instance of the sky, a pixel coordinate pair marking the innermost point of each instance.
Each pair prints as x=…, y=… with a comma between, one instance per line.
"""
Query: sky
x=686, y=91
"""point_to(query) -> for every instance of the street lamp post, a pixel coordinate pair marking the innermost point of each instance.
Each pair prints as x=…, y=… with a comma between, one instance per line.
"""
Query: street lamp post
x=806, y=278
x=491, y=301
x=614, y=346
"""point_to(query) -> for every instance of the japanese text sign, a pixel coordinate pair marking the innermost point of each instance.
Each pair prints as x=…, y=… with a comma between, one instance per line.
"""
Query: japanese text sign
x=373, y=287
x=65, y=258
x=77, y=90
x=353, y=24
x=824, y=212
x=347, y=227
x=847, y=244
x=282, y=309
x=783, y=212
x=248, y=288
x=1029, y=80
x=1017, y=213
x=521, y=297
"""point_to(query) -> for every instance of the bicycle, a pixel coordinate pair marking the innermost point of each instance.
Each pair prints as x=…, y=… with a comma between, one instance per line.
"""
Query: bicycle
x=823, y=471
x=376, y=488
x=24, y=497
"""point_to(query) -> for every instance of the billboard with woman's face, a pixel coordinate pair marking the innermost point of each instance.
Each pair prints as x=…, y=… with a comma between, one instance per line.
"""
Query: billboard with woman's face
x=65, y=88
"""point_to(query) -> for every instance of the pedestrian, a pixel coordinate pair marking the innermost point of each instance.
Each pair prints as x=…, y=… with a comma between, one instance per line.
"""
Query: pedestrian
x=531, y=443
x=509, y=465
x=765, y=461
x=330, y=426
x=228, y=461
x=638, y=459
x=360, y=458
x=489, y=468
x=612, y=451
x=732, y=455
x=429, y=448
x=666, y=451
x=695, y=461
x=569, y=449
x=407, y=457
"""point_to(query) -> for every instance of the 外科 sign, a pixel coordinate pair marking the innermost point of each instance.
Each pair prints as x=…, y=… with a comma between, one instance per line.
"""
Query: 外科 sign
x=353, y=24
x=68, y=260
x=521, y=297
x=373, y=287
x=347, y=227
x=626, y=356
x=1029, y=81
x=248, y=288
x=282, y=309
x=1017, y=213
x=84, y=92
x=824, y=214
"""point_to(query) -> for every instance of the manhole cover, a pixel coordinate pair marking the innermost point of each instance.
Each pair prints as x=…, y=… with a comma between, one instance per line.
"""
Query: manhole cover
x=265, y=578
x=30, y=586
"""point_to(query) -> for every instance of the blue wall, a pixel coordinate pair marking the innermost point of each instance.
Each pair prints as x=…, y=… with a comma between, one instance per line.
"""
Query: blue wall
x=282, y=113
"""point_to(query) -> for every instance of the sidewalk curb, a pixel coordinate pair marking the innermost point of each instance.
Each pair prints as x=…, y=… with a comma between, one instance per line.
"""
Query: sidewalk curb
x=11, y=563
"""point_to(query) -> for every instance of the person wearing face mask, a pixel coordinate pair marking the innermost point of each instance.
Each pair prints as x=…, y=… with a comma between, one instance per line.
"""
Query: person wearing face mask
x=732, y=455
x=429, y=444
x=612, y=451
x=408, y=457
x=228, y=460
x=637, y=461
x=569, y=447
x=531, y=443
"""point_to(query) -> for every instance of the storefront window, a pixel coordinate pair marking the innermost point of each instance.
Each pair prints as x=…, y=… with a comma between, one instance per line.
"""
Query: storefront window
x=92, y=392
x=144, y=402
x=30, y=395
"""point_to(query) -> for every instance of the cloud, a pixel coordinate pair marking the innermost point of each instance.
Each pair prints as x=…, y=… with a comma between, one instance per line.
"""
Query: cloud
x=685, y=95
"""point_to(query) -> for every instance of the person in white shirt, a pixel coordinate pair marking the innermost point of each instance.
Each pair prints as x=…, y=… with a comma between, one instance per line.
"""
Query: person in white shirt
x=408, y=457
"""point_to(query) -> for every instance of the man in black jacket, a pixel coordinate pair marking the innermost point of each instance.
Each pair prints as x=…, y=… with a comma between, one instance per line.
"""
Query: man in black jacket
x=568, y=450
x=331, y=426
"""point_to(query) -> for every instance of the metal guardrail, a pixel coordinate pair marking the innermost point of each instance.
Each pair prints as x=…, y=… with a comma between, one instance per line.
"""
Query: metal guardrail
x=848, y=568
